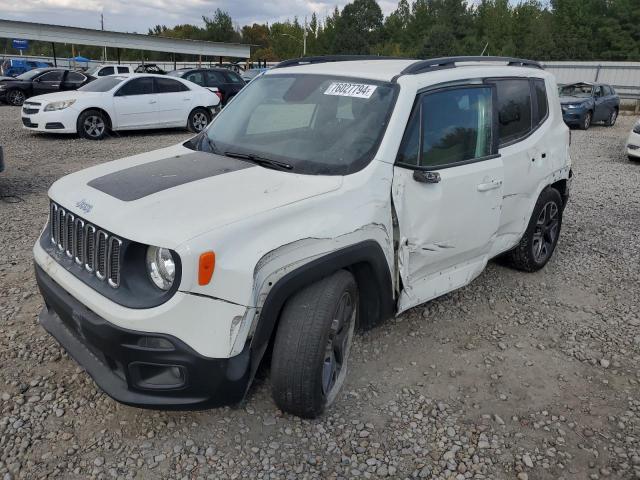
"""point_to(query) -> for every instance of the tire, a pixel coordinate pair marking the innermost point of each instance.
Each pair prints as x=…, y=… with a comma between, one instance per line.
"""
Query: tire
x=16, y=97
x=586, y=122
x=198, y=119
x=312, y=345
x=93, y=125
x=634, y=159
x=613, y=116
x=541, y=237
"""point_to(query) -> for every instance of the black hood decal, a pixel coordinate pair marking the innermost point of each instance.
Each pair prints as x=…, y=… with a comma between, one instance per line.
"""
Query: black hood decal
x=137, y=182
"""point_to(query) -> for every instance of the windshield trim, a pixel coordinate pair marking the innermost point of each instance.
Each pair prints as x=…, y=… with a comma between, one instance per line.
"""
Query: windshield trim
x=307, y=167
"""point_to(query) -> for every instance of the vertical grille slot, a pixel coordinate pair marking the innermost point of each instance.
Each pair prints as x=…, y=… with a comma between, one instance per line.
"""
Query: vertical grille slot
x=78, y=241
x=101, y=255
x=68, y=234
x=113, y=272
x=90, y=248
x=94, y=250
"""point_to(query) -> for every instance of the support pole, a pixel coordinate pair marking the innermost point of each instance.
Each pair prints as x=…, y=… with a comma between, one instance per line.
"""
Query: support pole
x=175, y=67
x=118, y=55
x=220, y=60
x=55, y=60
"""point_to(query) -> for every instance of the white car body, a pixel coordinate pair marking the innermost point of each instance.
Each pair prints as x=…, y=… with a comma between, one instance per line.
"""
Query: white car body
x=633, y=142
x=129, y=112
x=265, y=225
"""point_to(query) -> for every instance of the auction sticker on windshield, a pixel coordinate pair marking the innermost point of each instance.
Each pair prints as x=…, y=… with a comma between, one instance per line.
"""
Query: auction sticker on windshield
x=344, y=89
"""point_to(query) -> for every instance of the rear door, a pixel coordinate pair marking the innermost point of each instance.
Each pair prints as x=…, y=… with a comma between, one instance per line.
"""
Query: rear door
x=447, y=191
x=135, y=104
x=73, y=81
x=174, y=101
x=601, y=109
x=215, y=78
x=48, y=82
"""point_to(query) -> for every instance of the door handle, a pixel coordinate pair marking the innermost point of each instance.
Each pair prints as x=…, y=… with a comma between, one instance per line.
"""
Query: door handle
x=485, y=187
x=426, y=177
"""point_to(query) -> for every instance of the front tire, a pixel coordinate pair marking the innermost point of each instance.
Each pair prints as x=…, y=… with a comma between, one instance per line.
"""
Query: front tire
x=16, y=97
x=312, y=345
x=92, y=125
x=541, y=237
x=613, y=116
x=586, y=121
x=198, y=120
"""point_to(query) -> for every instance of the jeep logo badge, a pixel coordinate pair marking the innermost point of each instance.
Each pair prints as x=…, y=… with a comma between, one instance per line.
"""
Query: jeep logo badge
x=85, y=206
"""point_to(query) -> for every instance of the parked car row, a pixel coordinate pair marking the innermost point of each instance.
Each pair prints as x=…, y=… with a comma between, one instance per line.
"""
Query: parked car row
x=39, y=81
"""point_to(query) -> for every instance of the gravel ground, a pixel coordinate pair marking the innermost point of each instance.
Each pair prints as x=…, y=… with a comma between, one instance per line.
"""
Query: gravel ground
x=517, y=376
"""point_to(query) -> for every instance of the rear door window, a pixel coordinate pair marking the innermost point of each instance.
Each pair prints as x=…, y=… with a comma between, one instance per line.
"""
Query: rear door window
x=166, y=85
x=215, y=79
x=232, y=77
x=514, y=109
x=54, y=76
x=196, y=77
x=137, y=86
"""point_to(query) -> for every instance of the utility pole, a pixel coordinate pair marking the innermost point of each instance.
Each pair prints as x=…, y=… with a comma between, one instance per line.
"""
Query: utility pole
x=304, y=38
x=102, y=27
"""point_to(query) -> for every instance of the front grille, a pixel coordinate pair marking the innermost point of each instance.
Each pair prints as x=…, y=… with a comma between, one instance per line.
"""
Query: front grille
x=29, y=111
x=96, y=250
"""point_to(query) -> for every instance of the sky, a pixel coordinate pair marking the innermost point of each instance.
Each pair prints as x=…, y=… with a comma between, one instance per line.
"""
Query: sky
x=140, y=15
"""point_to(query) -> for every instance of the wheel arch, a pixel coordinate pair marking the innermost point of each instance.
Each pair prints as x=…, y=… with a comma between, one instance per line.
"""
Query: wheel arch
x=101, y=110
x=368, y=264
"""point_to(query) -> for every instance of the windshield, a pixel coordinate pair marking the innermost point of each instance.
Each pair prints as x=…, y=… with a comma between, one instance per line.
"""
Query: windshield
x=102, y=84
x=30, y=74
x=578, y=90
x=252, y=73
x=315, y=123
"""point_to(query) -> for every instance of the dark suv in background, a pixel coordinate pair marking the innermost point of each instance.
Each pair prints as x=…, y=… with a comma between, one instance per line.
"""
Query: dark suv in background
x=227, y=82
x=584, y=103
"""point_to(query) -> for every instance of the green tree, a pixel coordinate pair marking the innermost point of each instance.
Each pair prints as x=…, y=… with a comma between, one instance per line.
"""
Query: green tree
x=358, y=27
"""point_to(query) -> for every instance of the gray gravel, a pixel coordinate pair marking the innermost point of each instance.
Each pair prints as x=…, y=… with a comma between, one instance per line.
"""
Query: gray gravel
x=517, y=376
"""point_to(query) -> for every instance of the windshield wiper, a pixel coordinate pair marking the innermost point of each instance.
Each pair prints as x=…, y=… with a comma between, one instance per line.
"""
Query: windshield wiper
x=262, y=161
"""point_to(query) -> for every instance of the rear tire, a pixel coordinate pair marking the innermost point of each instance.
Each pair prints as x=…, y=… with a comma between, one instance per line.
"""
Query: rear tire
x=16, y=97
x=634, y=159
x=198, y=120
x=92, y=125
x=541, y=237
x=312, y=345
x=586, y=122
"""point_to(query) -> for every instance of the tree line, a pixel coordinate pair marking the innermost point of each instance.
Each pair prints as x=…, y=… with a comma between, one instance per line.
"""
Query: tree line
x=536, y=29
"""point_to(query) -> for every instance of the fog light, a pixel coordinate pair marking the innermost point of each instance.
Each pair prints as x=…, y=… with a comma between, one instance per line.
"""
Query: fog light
x=156, y=343
x=157, y=377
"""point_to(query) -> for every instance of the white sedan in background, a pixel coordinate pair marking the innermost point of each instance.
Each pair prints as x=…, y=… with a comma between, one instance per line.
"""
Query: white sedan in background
x=122, y=102
x=633, y=143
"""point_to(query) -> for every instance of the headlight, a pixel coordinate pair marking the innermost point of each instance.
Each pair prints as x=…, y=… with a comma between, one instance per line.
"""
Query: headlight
x=161, y=267
x=3, y=87
x=636, y=129
x=53, y=106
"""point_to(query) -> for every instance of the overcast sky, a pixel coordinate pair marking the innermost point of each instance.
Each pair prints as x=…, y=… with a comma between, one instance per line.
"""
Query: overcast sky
x=140, y=15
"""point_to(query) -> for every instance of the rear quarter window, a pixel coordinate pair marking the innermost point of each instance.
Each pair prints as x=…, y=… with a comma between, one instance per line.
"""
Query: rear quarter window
x=514, y=109
x=541, y=101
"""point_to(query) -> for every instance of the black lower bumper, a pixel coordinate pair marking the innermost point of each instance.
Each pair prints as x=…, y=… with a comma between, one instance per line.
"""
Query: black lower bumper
x=136, y=368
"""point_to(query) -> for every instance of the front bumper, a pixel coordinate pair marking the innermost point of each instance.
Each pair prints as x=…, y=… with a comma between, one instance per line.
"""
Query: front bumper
x=61, y=121
x=151, y=370
x=573, y=116
x=633, y=145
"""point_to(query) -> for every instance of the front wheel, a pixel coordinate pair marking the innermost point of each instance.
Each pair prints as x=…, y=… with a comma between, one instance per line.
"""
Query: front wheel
x=586, y=121
x=16, y=97
x=312, y=345
x=613, y=116
x=198, y=120
x=92, y=125
x=541, y=237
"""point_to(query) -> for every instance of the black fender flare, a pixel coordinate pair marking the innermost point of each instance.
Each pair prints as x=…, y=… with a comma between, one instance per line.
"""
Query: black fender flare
x=366, y=261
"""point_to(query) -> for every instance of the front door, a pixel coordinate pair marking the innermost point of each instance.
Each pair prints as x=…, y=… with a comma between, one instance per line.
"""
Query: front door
x=447, y=192
x=135, y=104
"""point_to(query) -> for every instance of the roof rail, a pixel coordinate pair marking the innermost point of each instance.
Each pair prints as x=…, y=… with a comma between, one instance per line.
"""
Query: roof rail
x=293, y=62
x=450, y=62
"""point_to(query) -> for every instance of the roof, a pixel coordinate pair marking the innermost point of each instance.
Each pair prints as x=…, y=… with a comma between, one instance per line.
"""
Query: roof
x=382, y=70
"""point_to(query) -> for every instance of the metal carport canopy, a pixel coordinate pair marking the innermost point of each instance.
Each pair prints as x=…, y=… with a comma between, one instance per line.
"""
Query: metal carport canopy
x=134, y=41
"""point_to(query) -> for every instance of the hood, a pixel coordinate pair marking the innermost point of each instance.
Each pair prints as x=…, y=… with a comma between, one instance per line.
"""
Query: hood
x=168, y=196
x=65, y=95
x=570, y=99
x=4, y=79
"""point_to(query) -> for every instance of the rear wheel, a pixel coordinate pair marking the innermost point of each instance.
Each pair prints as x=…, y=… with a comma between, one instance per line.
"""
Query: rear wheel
x=586, y=121
x=634, y=159
x=92, y=125
x=541, y=237
x=198, y=120
x=16, y=97
x=312, y=345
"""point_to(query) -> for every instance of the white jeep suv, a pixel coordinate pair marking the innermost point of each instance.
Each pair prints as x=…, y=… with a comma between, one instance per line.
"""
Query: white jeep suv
x=332, y=193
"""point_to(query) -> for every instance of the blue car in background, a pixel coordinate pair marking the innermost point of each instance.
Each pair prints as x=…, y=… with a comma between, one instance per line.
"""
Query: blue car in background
x=12, y=67
x=584, y=103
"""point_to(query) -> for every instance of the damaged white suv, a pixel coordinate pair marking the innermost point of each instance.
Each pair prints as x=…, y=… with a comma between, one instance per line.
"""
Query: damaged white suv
x=332, y=193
